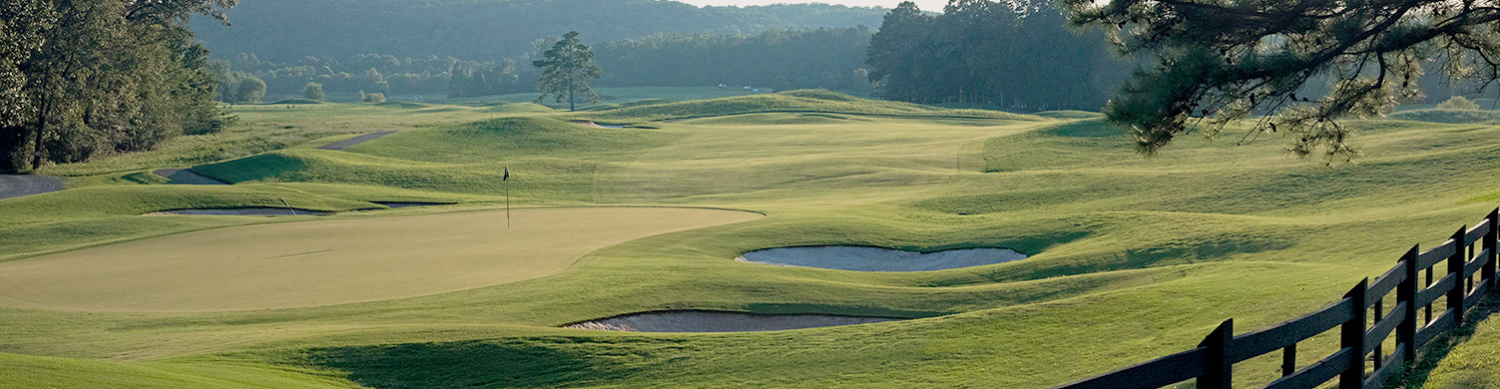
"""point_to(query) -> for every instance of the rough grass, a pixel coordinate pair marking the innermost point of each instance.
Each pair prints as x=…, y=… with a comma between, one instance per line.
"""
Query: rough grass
x=1131, y=258
x=1453, y=116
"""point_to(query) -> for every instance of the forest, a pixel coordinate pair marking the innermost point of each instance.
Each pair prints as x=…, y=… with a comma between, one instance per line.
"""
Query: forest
x=829, y=58
x=288, y=30
x=1013, y=55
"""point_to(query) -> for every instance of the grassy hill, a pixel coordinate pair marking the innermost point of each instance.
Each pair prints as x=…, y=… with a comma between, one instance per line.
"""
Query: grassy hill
x=1130, y=257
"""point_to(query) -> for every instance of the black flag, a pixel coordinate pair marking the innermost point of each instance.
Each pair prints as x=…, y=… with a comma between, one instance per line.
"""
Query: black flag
x=507, y=174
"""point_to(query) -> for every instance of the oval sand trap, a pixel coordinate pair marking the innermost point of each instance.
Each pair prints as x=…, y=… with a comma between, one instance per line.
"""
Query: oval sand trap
x=860, y=258
x=252, y=211
x=719, y=321
x=333, y=261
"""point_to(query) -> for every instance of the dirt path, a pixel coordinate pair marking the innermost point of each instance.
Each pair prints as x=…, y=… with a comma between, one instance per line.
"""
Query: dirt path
x=344, y=144
x=187, y=177
x=13, y=185
x=719, y=321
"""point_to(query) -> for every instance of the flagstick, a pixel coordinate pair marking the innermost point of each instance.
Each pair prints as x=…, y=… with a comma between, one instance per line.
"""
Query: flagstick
x=506, y=180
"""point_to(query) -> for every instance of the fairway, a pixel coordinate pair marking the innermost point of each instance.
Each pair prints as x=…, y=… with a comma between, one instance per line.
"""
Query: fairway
x=313, y=263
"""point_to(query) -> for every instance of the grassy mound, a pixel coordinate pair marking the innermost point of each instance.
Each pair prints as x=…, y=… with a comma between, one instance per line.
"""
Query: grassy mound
x=1452, y=116
x=517, y=108
x=515, y=138
x=1069, y=114
x=793, y=101
x=551, y=160
x=402, y=104
x=297, y=101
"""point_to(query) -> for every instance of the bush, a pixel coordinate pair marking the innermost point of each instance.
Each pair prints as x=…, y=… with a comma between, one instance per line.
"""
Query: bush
x=313, y=91
x=250, y=90
x=1459, y=103
x=375, y=97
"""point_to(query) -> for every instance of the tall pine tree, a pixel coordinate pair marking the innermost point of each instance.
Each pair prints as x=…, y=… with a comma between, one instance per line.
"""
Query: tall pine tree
x=566, y=69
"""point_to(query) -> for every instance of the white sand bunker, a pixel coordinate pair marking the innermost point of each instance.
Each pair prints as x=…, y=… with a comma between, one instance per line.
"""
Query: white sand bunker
x=860, y=258
x=597, y=125
x=253, y=211
x=720, y=321
x=405, y=204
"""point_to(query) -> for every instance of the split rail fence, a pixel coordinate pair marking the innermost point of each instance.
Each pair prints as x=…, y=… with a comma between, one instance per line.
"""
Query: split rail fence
x=1361, y=361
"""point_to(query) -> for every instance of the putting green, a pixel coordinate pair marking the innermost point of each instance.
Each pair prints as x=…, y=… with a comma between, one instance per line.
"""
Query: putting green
x=312, y=263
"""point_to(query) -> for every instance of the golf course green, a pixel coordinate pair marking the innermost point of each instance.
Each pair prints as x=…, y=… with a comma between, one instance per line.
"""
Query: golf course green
x=1127, y=258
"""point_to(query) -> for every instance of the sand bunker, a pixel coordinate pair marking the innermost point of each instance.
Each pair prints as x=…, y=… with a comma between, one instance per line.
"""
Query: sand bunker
x=404, y=204
x=719, y=321
x=861, y=258
x=253, y=211
x=598, y=125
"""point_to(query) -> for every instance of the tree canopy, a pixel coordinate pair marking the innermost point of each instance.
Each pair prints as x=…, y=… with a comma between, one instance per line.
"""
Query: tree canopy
x=287, y=30
x=89, y=77
x=566, y=69
x=1222, y=61
x=1013, y=54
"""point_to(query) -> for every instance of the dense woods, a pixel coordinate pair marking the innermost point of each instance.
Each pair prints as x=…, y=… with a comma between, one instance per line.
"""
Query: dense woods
x=776, y=59
x=1014, y=55
x=779, y=59
x=82, y=78
x=487, y=30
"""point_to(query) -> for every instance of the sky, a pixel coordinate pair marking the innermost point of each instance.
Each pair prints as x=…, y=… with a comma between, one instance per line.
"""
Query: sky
x=925, y=5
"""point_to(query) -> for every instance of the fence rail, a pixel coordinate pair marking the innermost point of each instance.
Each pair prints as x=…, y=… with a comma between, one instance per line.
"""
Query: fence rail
x=1364, y=323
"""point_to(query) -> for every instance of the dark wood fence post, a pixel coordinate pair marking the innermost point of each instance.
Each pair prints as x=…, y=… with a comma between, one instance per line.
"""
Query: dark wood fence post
x=1488, y=274
x=1406, y=332
x=1456, y=268
x=1220, y=372
x=1352, y=337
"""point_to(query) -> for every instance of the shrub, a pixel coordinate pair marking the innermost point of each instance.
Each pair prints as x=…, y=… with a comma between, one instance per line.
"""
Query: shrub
x=313, y=91
x=375, y=97
x=1460, y=103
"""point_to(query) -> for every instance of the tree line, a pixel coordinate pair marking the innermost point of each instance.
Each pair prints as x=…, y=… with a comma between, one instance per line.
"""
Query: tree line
x=287, y=30
x=1014, y=55
x=83, y=78
x=830, y=58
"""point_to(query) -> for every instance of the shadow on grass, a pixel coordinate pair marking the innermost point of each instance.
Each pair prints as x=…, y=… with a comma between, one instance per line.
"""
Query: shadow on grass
x=522, y=363
x=1415, y=376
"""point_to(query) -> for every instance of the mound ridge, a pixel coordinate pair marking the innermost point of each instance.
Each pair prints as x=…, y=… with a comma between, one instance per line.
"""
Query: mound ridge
x=794, y=101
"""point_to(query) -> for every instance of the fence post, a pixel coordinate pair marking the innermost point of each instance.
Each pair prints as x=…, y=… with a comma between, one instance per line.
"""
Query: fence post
x=1352, y=337
x=1220, y=372
x=1456, y=268
x=1488, y=274
x=1406, y=332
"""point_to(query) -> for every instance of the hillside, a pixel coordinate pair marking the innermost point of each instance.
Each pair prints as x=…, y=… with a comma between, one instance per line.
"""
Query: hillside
x=287, y=30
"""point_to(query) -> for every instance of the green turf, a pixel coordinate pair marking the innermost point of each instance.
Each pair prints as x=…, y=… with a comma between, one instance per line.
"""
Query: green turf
x=1132, y=257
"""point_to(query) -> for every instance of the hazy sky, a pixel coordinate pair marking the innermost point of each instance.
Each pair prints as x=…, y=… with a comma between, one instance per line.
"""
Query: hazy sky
x=926, y=5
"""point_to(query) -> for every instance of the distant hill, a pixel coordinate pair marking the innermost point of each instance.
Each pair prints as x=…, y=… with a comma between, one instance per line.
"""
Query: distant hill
x=287, y=30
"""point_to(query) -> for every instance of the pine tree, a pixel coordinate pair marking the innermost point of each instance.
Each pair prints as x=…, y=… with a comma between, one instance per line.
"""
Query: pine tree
x=566, y=69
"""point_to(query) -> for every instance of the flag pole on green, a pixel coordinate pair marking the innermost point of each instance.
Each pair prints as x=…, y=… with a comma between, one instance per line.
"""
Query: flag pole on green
x=505, y=181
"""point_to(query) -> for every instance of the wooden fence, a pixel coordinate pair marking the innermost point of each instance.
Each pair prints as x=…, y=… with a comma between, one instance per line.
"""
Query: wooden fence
x=1469, y=275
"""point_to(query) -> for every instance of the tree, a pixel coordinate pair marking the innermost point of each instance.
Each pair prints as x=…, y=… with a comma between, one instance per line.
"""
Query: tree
x=313, y=91
x=1224, y=61
x=86, y=77
x=249, y=89
x=566, y=69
